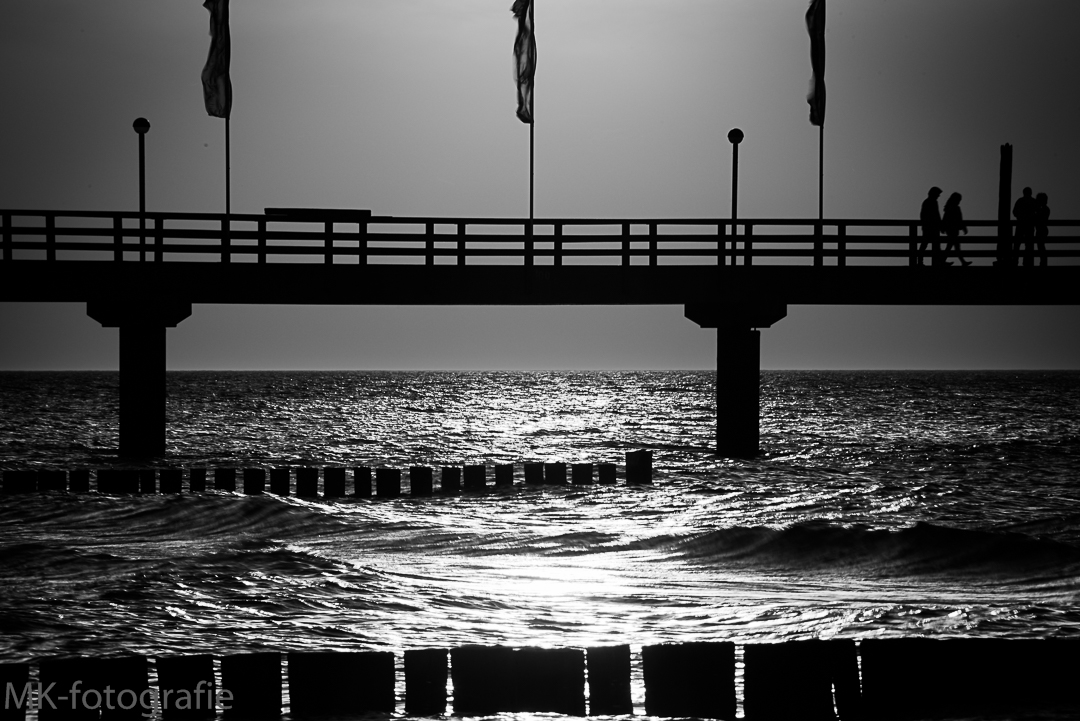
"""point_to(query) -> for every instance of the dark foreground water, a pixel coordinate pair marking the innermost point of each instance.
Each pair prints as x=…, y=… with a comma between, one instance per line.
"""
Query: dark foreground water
x=885, y=504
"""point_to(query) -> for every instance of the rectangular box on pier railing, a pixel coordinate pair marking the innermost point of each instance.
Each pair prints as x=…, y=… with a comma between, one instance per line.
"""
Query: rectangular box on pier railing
x=254, y=682
x=328, y=683
x=186, y=687
x=426, y=671
x=690, y=679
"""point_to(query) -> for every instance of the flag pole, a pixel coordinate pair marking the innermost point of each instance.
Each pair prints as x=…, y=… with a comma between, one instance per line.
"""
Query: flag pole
x=532, y=123
x=228, y=169
x=821, y=173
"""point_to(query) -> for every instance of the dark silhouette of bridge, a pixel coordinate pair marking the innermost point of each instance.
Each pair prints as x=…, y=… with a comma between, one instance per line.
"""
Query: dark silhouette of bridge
x=142, y=272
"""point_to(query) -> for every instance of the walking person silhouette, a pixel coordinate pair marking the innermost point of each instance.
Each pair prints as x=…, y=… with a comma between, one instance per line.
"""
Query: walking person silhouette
x=1042, y=229
x=953, y=223
x=930, y=217
x=1024, y=212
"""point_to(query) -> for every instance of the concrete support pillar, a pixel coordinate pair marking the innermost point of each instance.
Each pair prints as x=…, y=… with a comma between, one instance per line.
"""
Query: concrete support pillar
x=142, y=327
x=738, y=369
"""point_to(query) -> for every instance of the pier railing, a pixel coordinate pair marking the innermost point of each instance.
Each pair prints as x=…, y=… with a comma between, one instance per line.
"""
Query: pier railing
x=295, y=235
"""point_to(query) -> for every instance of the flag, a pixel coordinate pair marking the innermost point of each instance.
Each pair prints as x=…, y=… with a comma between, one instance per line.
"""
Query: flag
x=524, y=58
x=815, y=24
x=217, y=88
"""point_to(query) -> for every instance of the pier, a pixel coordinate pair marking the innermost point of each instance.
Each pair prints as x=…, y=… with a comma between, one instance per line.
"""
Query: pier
x=146, y=272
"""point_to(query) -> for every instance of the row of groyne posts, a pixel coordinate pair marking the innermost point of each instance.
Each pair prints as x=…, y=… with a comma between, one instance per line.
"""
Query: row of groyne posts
x=813, y=680
x=366, y=482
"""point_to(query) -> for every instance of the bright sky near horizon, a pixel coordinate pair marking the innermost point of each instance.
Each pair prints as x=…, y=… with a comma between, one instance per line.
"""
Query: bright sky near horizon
x=406, y=107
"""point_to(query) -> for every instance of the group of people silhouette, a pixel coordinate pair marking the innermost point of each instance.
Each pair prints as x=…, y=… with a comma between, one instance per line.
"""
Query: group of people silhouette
x=1032, y=217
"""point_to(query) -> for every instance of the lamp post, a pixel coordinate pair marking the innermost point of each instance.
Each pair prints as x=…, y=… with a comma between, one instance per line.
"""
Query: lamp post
x=735, y=136
x=142, y=127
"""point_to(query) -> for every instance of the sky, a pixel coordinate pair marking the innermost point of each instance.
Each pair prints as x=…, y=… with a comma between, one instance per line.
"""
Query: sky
x=406, y=107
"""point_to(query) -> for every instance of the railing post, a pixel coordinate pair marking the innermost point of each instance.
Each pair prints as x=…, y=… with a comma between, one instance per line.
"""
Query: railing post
x=118, y=238
x=429, y=244
x=50, y=236
x=159, y=239
x=362, y=228
x=558, y=244
x=461, y=244
x=529, y=244
x=841, y=244
x=261, y=240
x=7, y=236
x=721, y=243
x=652, y=243
x=328, y=242
x=226, y=241
x=748, y=244
x=819, y=244
x=913, y=244
x=626, y=244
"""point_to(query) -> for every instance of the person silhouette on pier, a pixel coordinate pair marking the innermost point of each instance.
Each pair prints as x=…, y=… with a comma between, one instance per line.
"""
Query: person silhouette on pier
x=1042, y=229
x=1024, y=212
x=930, y=218
x=953, y=224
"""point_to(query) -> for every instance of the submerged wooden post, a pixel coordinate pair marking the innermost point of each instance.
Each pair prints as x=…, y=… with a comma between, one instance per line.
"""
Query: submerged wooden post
x=253, y=681
x=609, y=680
x=333, y=482
x=638, y=467
x=534, y=474
x=225, y=479
x=555, y=473
x=426, y=672
x=504, y=474
x=307, y=482
x=197, y=480
x=362, y=482
x=581, y=474
x=254, y=481
x=451, y=480
x=690, y=679
x=172, y=480
x=387, y=482
x=475, y=478
x=329, y=683
x=420, y=481
x=280, y=481
x=186, y=687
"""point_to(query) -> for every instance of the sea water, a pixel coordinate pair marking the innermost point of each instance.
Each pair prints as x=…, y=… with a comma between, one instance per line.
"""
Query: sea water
x=884, y=504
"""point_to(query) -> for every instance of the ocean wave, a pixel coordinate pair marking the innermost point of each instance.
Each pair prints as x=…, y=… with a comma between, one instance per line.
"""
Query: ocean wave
x=922, y=549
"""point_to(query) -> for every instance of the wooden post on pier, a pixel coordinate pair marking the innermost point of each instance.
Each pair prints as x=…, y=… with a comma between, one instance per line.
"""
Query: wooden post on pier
x=333, y=482
x=420, y=481
x=254, y=481
x=387, y=482
x=451, y=480
x=504, y=474
x=534, y=474
x=172, y=480
x=581, y=474
x=555, y=473
x=475, y=478
x=307, y=482
x=197, y=480
x=254, y=682
x=361, y=482
x=279, y=481
x=426, y=671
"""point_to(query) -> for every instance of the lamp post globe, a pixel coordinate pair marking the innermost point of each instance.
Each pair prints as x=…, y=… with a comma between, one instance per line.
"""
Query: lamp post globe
x=141, y=126
x=735, y=136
